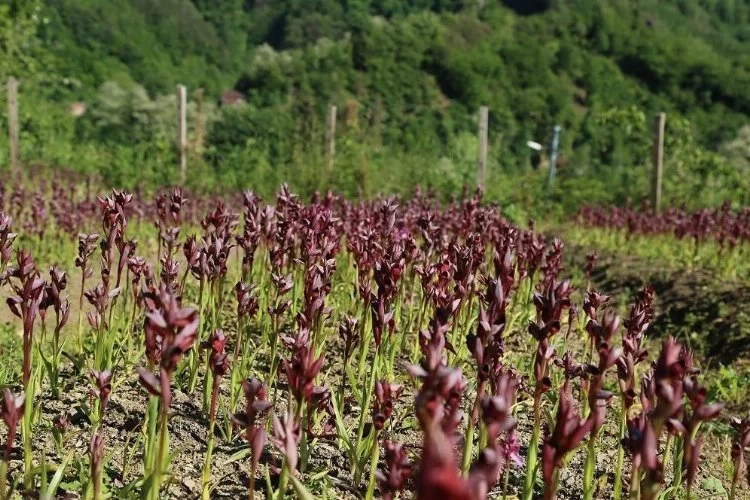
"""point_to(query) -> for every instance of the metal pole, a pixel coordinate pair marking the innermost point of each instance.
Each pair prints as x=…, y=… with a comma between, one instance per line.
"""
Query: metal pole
x=553, y=155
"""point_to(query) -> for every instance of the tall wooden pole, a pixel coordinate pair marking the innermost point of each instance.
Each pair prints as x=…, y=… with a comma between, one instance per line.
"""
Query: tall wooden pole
x=658, y=159
x=182, y=130
x=13, y=123
x=554, y=151
x=482, y=147
x=330, y=138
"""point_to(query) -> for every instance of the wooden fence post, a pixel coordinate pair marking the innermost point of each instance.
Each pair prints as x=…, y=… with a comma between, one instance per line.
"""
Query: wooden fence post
x=182, y=130
x=330, y=138
x=554, y=151
x=13, y=123
x=482, y=147
x=658, y=160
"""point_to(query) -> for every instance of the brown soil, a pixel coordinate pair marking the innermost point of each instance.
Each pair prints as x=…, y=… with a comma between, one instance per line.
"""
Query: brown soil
x=711, y=314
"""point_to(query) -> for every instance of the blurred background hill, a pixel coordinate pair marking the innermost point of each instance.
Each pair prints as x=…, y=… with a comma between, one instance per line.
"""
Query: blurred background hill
x=97, y=93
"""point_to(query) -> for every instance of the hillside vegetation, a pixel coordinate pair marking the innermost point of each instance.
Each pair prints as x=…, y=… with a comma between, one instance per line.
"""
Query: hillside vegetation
x=407, y=77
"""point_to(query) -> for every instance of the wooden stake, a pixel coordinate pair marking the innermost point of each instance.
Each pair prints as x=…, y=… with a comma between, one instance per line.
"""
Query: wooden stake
x=330, y=138
x=182, y=130
x=13, y=123
x=553, y=155
x=482, y=147
x=658, y=159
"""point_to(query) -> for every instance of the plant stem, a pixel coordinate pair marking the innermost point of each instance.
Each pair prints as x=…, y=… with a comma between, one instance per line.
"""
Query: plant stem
x=80, y=307
x=469, y=444
x=365, y=403
x=162, y=448
x=237, y=346
x=735, y=479
x=483, y=437
x=55, y=358
x=617, y=488
x=550, y=490
x=4, y=475
x=194, y=355
x=420, y=319
x=207, y=385
x=251, y=486
x=342, y=391
x=364, y=341
x=303, y=447
x=205, y=495
x=28, y=449
x=96, y=469
x=468, y=448
x=153, y=411
x=635, y=483
x=506, y=478
x=679, y=450
x=531, y=456
x=283, y=480
x=374, y=453
x=274, y=348
x=588, y=472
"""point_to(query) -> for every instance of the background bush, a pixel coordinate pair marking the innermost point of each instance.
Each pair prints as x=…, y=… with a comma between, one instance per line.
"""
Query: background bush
x=407, y=77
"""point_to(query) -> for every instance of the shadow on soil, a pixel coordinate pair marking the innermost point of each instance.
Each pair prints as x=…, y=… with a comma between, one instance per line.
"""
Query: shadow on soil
x=711, y=314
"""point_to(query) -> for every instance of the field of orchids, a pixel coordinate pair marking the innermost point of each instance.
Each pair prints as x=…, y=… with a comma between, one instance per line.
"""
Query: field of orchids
x=718, y=238
x=179, y=346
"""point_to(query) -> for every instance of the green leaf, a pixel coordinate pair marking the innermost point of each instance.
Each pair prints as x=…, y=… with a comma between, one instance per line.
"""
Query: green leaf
x=319, y=475
x=353, y=381
x=57, y=478
x=243, y=453
x=269, y=486
x=70, y=485
x=43, y=473
x=667, y=493
x=302, y=492
x=341, y=430
x=364, y=446
x=714, y=486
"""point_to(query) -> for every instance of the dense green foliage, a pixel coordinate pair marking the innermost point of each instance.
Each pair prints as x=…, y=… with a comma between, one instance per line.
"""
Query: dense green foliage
x=407, y=77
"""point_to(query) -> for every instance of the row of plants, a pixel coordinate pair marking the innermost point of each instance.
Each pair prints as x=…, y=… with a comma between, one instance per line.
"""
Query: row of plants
x=715, y=238
x=724, y=225
x=291, y=325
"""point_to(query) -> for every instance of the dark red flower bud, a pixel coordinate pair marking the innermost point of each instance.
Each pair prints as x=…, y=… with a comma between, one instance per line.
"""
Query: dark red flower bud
x=398, y=470
x=382, y=408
